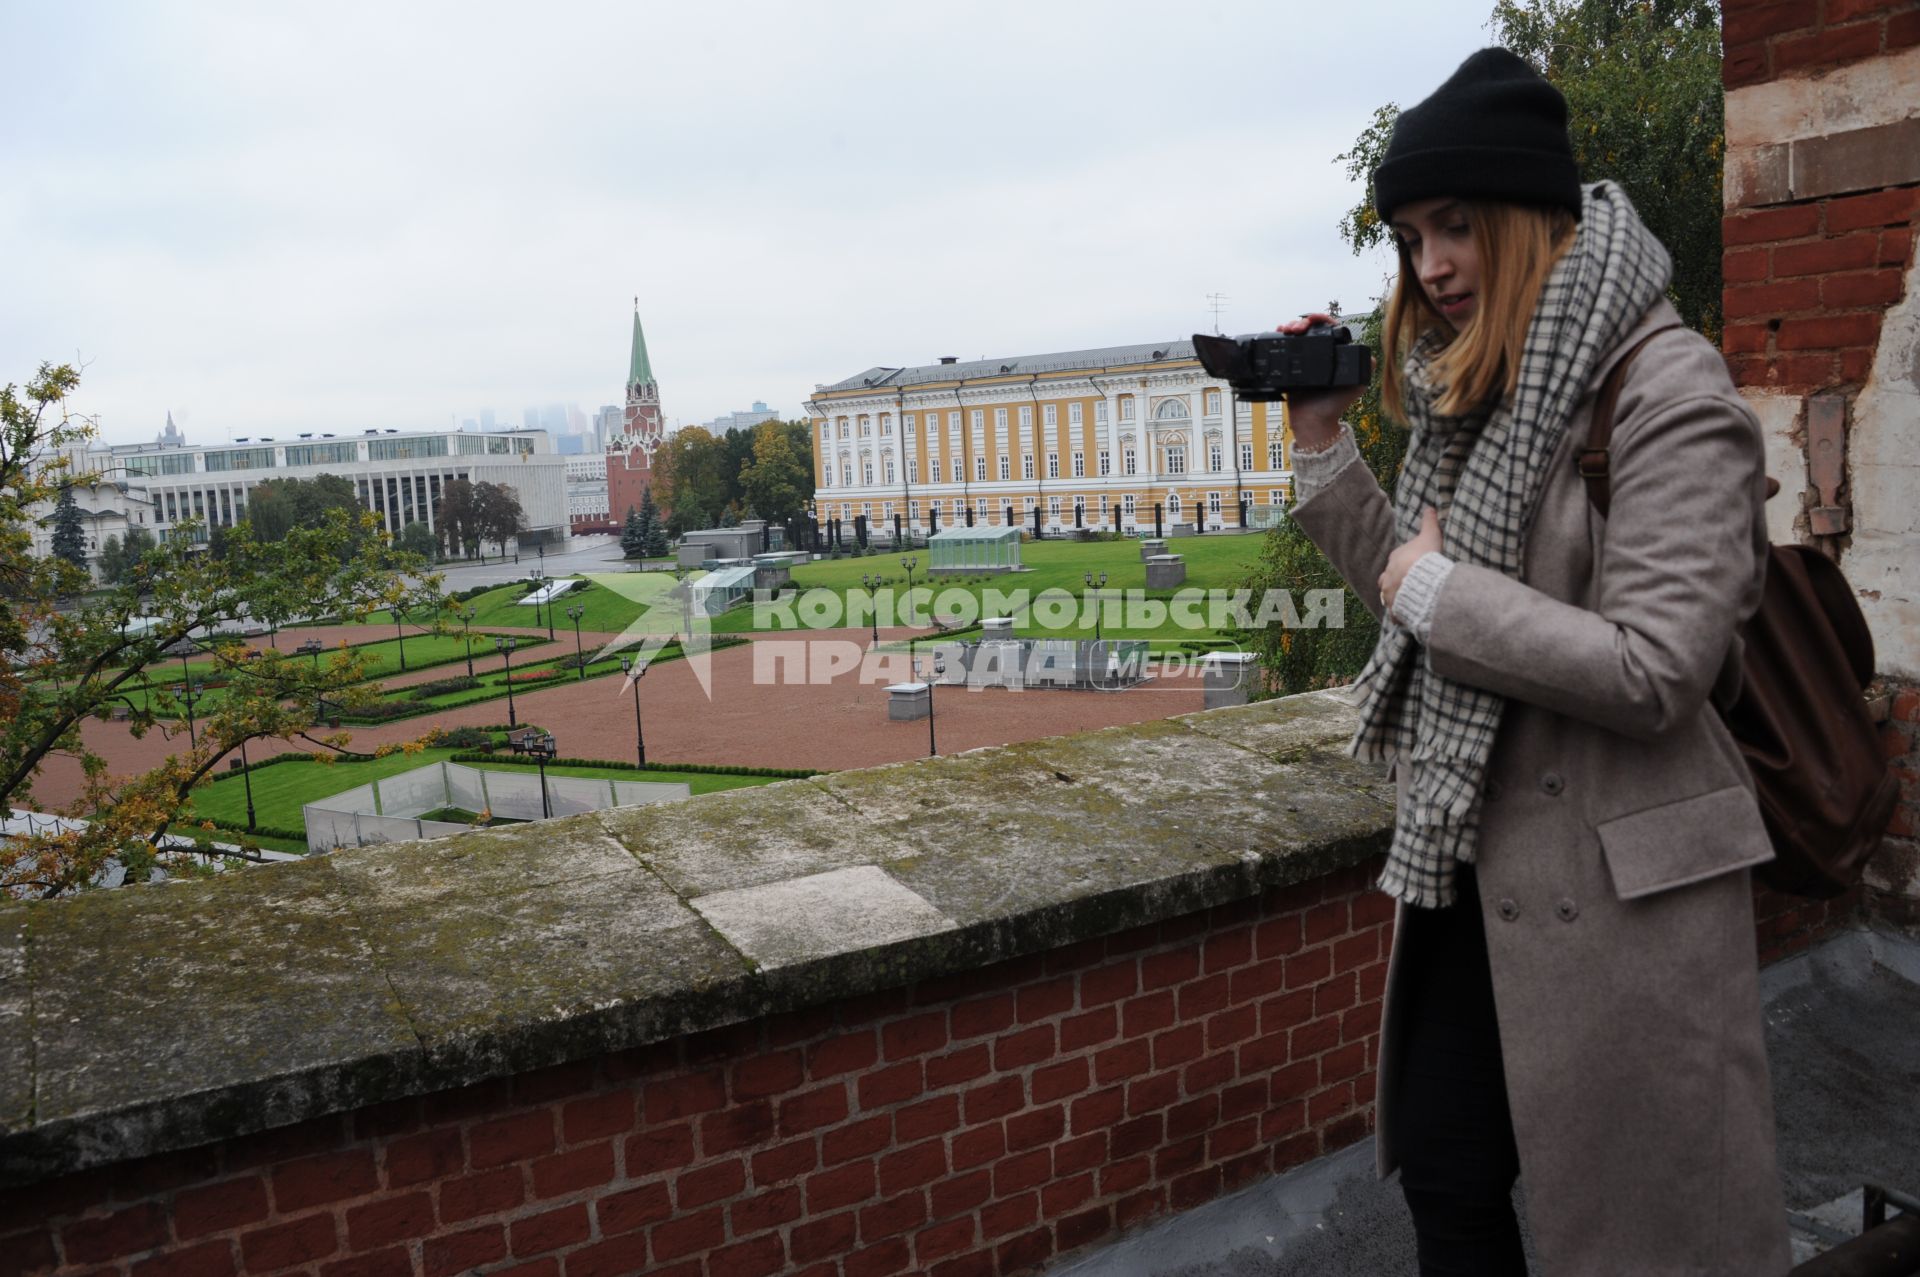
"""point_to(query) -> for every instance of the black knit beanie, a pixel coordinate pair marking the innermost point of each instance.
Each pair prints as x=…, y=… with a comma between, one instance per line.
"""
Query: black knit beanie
x=1496, y=130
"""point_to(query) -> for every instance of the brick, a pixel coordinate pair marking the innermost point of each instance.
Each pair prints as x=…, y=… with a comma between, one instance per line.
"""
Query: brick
x=1084, y=1228
x=1044, y=1001
x=978, y=1264
x=1147, y=1014
x=1077, y=1032
x=418, y=1159
x=27, y=1252
x=842, y=1186
x=1179, y=1157
x=487, y=1193
x=331, y=1177
x=1828, y=332
x=1041, y=1126
x=209, y=1259
x=389, y=1220
x=857, y=1139
x=1855, y=251
x=811, y=1110
x=1179, y=1046
x=766, y=1210
x=820, y=1238
x=1136, y=1136
x=1194, y=1188
x=556, y=1082
x=616, y=1257
x=666, y=1149
x=1065, y=1194
x=1826, y=48
x=1286, y=1011
x=1863, y=288
x=686, y=1235
x=1028, y=1250
x=1743, y=22
x=766, y=1075
x=980, y=1016
x=1767, y=300
x=941, y=1240
x=1309, y=966
x=1058, y=1081
x=760, y=1257
x=892, y=1085
x=930, y=1117
x=1109, y=983
x=1141, y=1206
x=1117, y=1063
x=1120, y=1177
x=635, y=1208
x=572, y=1171
x=1903, y=30
x=1329, y=1103
x=1744, y=339
x=1296, y=1151
x=846, y=1054
x=1745, y=266
x=137, y=1228
x=912, y=1166
x=1009, y=1216
x=519, y=1138
x=394, y=1261
x=686, y=1096
x=1024, y=1048
x=1343, y=1063
x=893, y=1216
x=1098, y=1110
x=549, y=1231
x=284, y=1245
x=709, y=1184
x=1847, y=10
x=1164, y=970
x=1294, y=1080
x=1744, y=64
x=597, y=1117
x=785, y=1161
x=1228, y=1141
x=957, y=1068
x=1257, y=981
x=979, y=1146
x=217, y=1208
x=1772, y=225
x=736, y=1127
x=915, y=1035
x=890, y=1256
x=1353, y=952
x=1894, y=207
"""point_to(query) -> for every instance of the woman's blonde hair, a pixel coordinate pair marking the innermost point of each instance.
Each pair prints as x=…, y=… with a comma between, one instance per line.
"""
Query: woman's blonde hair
x=1518, y=245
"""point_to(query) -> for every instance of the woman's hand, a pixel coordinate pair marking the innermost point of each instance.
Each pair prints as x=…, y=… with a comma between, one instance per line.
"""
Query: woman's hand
x=1405, y=556
x=1315, y=414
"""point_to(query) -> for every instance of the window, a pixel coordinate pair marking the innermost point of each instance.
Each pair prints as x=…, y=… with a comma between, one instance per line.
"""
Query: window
x=249, y=458
x=826, y=435
x=913, y=470
x=1053, y=508
x=1000, y=420
x=978, y=419
x=320, y=454
x=886, y=424
x=980, y=508
x=1026, y=466
x=1214, y=462
x=1242, y=410
x=1051, y=414
x=979, y=469
x=866, y=472
x=1103, y=507
x=1126, y=504
x=171, y=463
x=1212, y=408
x=1079, y=465
x=953, y=419
x=1053, y=465
x=906, y=425
x=1246, y=456
x=913, y=511
x=1075, y=414
x=1129, y=464
x=1126, y=408
x=407, y=449
x=843, y=427
x=1273, y=456
x=1176, y=458
x=1274, y=497
x=1105, y=461
x=934, y=469
x=1080, y=507
x=1213, y=503
x=846, y=474
x=866, y=426
x=889, y=469
x=1006, y=466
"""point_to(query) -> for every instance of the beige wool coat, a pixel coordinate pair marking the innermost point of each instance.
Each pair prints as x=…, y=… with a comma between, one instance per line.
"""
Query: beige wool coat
x=1618, y=827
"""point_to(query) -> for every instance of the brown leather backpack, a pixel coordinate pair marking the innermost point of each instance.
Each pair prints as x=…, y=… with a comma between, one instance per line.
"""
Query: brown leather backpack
x=1826, y=789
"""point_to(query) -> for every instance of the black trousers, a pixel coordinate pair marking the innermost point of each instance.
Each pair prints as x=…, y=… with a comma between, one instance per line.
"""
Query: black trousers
x=1453, y=1130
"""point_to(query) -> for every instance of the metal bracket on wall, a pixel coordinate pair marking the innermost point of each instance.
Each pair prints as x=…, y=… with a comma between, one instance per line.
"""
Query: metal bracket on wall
x=1827, y=462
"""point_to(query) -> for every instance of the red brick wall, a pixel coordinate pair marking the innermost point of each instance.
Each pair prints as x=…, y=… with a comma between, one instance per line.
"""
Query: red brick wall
x=1807, y=285
x=1766, y=39
x=979, y=1124
x=1896, y=904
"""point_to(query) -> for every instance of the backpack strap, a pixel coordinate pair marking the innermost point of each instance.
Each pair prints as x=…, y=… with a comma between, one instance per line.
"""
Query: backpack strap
x=1595, y=461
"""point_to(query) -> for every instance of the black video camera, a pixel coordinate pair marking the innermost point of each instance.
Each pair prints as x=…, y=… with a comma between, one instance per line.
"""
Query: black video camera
x=1263, y=367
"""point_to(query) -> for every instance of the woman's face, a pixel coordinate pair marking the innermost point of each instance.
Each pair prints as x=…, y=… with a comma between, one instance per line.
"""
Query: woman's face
x=1438, y=241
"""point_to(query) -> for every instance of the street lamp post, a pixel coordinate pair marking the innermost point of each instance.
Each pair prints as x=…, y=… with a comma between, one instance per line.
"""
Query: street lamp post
x=505, y=647
x=576, y=612
x=401, y=635
x=634, y=672
x=543, y=749
x=871, y=583
x=246, y=776
x=313, y=648
x=466, y=633
x=939, y=668
x=909, y=564
x=1096, y=586
x=189, y=693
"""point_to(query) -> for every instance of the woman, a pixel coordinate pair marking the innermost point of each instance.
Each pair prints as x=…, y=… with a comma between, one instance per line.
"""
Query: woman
x=1573, y=996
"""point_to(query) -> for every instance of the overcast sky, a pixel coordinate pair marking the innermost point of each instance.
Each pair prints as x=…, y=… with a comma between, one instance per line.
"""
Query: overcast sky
x=272, y=218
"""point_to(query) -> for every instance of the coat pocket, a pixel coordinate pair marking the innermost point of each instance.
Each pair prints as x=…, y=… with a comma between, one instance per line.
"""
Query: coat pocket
x=1676, y=843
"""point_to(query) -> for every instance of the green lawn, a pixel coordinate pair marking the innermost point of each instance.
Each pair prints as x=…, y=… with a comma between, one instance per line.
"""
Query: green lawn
x=280, y=791
x=422, y=651
x=612, y=601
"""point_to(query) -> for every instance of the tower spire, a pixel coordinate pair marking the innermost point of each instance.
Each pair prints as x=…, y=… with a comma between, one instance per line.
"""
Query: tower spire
x=639, y=369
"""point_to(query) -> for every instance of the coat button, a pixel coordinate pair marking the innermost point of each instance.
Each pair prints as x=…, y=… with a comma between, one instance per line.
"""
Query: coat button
x=1509, y=910
x=1551, y=784
x=1566, y=911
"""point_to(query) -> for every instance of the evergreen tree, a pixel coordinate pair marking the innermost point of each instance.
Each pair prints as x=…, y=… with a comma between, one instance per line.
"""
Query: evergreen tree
x=633, y=536
x=113, y=561
x=654, y=529
x=69, y=536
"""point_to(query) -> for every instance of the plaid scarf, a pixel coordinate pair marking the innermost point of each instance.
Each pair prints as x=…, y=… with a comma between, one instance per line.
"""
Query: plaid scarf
x=1487, y=472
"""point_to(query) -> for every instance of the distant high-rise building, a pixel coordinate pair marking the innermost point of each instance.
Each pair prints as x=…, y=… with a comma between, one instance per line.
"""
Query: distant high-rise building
x=606, y=425
x=530, y=418
x=171, y=436
x=470, y=425
x=486, y=418
x=746, y=420
x=630, y=454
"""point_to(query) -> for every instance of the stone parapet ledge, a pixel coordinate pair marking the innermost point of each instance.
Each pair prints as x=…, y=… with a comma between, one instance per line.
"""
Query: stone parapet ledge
x=150, y=1019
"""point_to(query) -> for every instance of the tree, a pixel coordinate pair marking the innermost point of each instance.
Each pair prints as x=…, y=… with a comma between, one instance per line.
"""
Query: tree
x=653, y=542
x=633, y=535
x=690, y=478
x=778, y=479
x=113, y=561
x=497, y=513
x=415, y=538
x=457, y=517
x=62, y=666
x=69, y=534
x=277, y=506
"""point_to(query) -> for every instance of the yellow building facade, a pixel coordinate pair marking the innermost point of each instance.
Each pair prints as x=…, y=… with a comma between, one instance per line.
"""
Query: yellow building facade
x=1111, y=432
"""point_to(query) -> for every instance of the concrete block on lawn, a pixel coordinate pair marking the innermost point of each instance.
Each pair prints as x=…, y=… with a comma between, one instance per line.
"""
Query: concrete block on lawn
x=907, y=702
x=1166, y=571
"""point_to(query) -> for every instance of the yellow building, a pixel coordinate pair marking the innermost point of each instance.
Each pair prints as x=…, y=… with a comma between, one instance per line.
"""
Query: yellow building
x=1112, y=432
